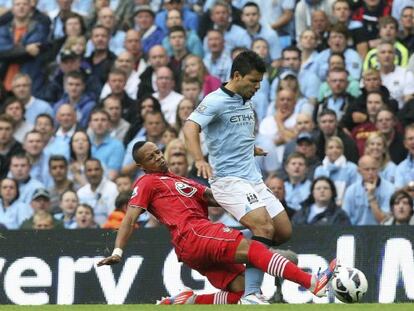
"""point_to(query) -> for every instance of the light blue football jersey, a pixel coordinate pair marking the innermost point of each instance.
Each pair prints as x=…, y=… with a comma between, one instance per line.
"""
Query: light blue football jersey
x=228, y=124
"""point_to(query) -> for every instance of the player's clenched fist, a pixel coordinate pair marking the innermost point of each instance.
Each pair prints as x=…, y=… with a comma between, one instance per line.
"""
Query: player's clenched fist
x=111, y=260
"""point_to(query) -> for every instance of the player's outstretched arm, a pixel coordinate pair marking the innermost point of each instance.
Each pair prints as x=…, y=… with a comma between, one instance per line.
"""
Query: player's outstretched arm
x=192, y=140
x=123, y=235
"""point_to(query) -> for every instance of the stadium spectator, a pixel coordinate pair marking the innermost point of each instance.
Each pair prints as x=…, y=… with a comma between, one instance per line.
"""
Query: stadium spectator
x=85, y=217
x=192, y=42
x=320, y=24
x=123, y=183
x=124, y=61
x=402, y=211
x=405, y=170
x=118, y=125
x=320, y=207
x=99, y=192
x=191, y=90
x=157, y=57
x=115, y=218
x=144, y=23
x=406, y=33
x=40, y=201
x=132, y=45
x=177, y=39
x=80, y=151
x=15, y=109
x=76, y=95
x=277, y=186
x=178, y=164
x=297, y=186
x=376, y=147
x=110, y=151
x=12, y=210
x=217, y=59
x=21, y=87
x=58, y=167
x=367, y=200
x=328, y=127
x=59, y=16
x=101, y=59
x=66, y=123
x=43, y=220
x=386, y=123
x=34, y=146
x=8, y=145
x=166, y=95
x=337, y=168
x=184, y=109
x=307, y=45
x=22, y=40
x=190, y=18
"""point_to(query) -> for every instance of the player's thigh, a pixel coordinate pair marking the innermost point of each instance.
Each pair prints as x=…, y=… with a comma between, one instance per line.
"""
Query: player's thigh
x=237, y=196
x=226, y=276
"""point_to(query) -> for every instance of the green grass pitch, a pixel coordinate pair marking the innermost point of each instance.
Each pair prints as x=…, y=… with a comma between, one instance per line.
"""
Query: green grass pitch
x=275, y=307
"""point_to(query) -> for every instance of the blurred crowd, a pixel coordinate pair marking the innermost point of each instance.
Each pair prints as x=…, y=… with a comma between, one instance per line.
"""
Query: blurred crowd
x=82, y=81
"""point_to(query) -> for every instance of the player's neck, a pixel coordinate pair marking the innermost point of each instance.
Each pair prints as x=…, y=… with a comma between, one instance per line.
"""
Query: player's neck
x=231, y=86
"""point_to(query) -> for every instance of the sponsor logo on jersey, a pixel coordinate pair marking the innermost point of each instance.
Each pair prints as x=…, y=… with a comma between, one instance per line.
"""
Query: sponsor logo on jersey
x=201, y=108
x=134, y=192
x=227, y=229
x=242, y=118
x=184, y=189
x=252, y=198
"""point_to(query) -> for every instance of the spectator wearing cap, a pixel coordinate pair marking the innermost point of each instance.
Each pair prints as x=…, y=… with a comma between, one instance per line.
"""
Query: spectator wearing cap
x=8, y=145
x=76, y=96
x=99, y=192
x=69, y=61
x=106, y=18
x=110, y=151
x=22, y=39
x=20, y=171
x=297, y=186
x=144, y=23
x=309, y=82
x=217, y=60
x=234, y=35
x=40, y=202
x=12, y=210
x=337, y=42
x=405, y=170
x=114, y=219
x=190, y=19
x=251, y=16
x=192, y=42
x=367, y=201
x=402, y=210
x=336, y=167
x=328, y=127
x=102, y=59
x=22, y=89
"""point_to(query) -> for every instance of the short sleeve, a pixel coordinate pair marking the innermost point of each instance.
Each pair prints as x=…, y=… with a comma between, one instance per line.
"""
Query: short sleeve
x=206, y=111
x=141, y=193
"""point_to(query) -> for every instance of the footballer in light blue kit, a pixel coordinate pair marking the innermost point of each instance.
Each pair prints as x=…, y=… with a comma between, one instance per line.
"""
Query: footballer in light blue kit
x=226, y=117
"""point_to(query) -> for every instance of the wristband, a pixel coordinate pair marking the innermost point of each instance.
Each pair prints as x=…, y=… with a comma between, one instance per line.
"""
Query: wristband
x=117, y=252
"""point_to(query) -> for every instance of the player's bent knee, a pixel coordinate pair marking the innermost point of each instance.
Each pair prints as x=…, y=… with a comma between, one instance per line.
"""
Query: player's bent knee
x=264, y=230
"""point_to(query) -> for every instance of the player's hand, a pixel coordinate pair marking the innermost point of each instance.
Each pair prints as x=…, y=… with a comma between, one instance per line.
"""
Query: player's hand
x=203, y=169
x=259, y=152
x=111, y=260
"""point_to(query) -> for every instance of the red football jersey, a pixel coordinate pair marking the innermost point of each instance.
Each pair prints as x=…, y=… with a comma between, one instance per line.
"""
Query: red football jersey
x=175, y=201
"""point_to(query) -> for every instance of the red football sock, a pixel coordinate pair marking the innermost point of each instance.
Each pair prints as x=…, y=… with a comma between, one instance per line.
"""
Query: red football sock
x=277, y=265
x=220, y=298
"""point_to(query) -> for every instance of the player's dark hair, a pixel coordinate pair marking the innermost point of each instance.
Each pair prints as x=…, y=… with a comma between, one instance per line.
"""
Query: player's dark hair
x=138, y=145
x=246, y=62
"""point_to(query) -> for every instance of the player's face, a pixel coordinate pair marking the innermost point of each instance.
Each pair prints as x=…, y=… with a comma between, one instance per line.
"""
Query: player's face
x=249, y=84
x=152, y=159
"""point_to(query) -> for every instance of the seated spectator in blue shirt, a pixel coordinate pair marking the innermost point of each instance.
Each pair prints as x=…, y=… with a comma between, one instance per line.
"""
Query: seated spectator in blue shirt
x=76, y=96
x=234, y=35
x=22, y=40
x=320, y=207
x=251, y=16
x=367, y=201
x=405, y=170
x=277, y=186
x=20, y=171
x=21, y=87
x=80, y=151
x=189, y=17
x=402, y=210
x=192, y=41
x=34, y=146
x=336, y=167
x=12, y=211
x=297, y=186
x=217, y=60
x=108, y=150
x=68, y=202
x=376, y=146
x=337, y=42
x=144, y=23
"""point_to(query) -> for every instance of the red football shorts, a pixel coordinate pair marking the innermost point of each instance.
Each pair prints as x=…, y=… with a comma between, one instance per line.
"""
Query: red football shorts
x=210, y=250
